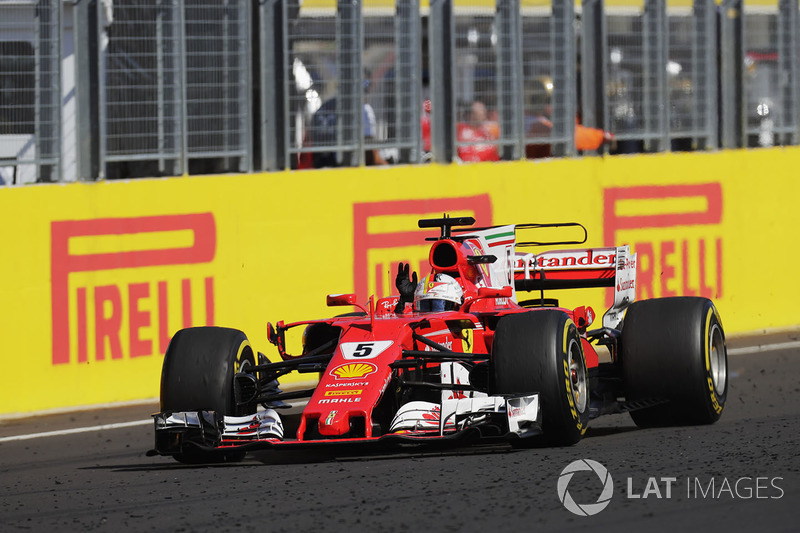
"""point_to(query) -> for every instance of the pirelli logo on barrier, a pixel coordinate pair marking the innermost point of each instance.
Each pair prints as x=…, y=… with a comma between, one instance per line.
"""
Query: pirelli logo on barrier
x=385, y=233
x=122, y=286
x=676, y=232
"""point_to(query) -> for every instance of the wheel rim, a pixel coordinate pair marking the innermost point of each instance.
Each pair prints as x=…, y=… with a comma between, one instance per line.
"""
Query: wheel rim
x=717, y=360
x=243, y=365
x=577, y=371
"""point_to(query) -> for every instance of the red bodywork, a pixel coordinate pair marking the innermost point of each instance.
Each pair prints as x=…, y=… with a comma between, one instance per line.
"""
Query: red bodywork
x=392, y=374
x=356, y=379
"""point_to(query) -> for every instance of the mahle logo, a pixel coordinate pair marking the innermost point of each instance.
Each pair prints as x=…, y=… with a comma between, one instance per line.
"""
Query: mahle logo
x=586, y=509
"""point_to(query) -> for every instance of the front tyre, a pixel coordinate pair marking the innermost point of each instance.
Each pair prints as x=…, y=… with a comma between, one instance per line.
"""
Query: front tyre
x=673, y=349
x=540, y=352
x=197, y=375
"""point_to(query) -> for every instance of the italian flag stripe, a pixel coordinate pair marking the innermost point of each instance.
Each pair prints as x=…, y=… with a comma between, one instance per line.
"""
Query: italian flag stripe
x=499, y=236
x=500, y=243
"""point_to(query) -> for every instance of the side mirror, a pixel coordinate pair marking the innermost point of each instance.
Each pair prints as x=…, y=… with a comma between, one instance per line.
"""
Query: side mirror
x=272, y=335
x=276, y=336
x=350, y=299
x=342, y=299
x=491, y=292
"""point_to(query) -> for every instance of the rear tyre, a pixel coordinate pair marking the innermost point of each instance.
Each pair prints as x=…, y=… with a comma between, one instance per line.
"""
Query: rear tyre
x=540, y=351
x=673, y=349
x=197, y=375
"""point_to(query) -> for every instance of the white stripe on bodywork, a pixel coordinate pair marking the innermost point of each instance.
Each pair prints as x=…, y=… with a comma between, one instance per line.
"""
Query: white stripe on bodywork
x=435, y=333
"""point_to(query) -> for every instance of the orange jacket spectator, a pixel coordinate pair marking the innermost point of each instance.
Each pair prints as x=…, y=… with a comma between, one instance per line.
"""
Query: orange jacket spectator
x=586, y=138
x=590, y=138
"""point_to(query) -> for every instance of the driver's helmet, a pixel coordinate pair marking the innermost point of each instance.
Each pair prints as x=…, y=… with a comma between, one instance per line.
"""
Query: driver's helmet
x=438, y=292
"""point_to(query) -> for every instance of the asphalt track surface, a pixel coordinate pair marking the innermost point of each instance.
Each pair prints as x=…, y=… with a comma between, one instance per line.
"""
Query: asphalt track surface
x=741, y=474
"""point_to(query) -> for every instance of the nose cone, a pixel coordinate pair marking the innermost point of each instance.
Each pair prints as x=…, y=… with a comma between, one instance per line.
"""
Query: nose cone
x=335, y=423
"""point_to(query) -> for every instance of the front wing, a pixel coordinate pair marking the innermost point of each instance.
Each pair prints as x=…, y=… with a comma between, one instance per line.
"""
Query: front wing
x=456, y=421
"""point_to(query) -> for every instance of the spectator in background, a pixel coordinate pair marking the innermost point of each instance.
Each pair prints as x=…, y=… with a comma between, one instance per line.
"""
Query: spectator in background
x=478, y=127
x=539, y=124
x=323, y=132
x=426, y=130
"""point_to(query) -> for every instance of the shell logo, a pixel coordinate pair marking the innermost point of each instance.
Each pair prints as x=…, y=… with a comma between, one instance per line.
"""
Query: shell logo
x=353, y=370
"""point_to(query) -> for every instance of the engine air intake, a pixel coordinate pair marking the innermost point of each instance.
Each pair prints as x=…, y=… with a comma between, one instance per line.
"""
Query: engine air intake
x=444, y=256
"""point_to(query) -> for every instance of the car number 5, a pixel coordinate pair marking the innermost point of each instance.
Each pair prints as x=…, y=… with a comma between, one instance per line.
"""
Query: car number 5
x=364, y=350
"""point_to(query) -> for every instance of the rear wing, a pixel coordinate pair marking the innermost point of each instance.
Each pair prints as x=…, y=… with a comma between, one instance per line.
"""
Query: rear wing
x=556, y=269
x=500, y=242
x=582, y=268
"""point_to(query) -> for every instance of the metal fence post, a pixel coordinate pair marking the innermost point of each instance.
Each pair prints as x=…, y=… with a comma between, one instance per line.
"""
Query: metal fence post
x=789, y=62
x=272, y=123
x=408, y=83
x=245, y=92
x=350, y=99
x=161, y=85
x=655, y=96
x=86, y=100
x=183, y=114
x=47, y=108
x=731, y=102
x=705, y=121
x=594, y=53
x=509, y=78
x=97, y=74
x=178, y=135
x=100, y=95
x=564, y=69
x=440, y=43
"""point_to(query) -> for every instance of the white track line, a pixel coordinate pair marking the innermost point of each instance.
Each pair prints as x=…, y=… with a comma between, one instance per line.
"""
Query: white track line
x=764, y=348
x=734, y=351
x=62, y=432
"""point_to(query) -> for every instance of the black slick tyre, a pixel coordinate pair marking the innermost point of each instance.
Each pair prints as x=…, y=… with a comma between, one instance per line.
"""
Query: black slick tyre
x=198, y=375
x=540, y=352
x=673, y=350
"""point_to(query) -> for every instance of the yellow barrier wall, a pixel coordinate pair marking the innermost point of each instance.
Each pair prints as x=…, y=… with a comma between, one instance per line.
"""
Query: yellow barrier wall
x=97, y=277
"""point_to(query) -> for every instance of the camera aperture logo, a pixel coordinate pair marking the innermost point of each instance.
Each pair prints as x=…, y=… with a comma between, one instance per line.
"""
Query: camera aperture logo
x=586, y=509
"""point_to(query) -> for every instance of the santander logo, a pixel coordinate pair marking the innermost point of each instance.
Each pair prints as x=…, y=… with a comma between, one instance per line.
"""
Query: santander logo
x=625, y=285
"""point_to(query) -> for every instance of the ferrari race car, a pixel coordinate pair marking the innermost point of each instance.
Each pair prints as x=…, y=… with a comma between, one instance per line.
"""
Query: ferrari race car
x=488, y=368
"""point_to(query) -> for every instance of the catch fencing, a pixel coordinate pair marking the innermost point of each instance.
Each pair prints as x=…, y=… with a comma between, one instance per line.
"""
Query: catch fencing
x=30, y=91
x=104, y=89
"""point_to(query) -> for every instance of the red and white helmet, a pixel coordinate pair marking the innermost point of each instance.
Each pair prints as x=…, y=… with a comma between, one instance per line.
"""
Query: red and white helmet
x=438, y=292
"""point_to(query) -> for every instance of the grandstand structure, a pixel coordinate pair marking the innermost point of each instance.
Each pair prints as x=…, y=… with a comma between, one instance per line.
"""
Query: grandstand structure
x=110, y=89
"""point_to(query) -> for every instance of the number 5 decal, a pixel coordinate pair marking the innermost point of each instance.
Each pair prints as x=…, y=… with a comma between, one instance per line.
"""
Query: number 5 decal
x=363, y=350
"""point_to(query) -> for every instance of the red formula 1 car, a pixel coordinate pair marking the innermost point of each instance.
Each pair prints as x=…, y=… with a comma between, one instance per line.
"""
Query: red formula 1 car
x=465, y=362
